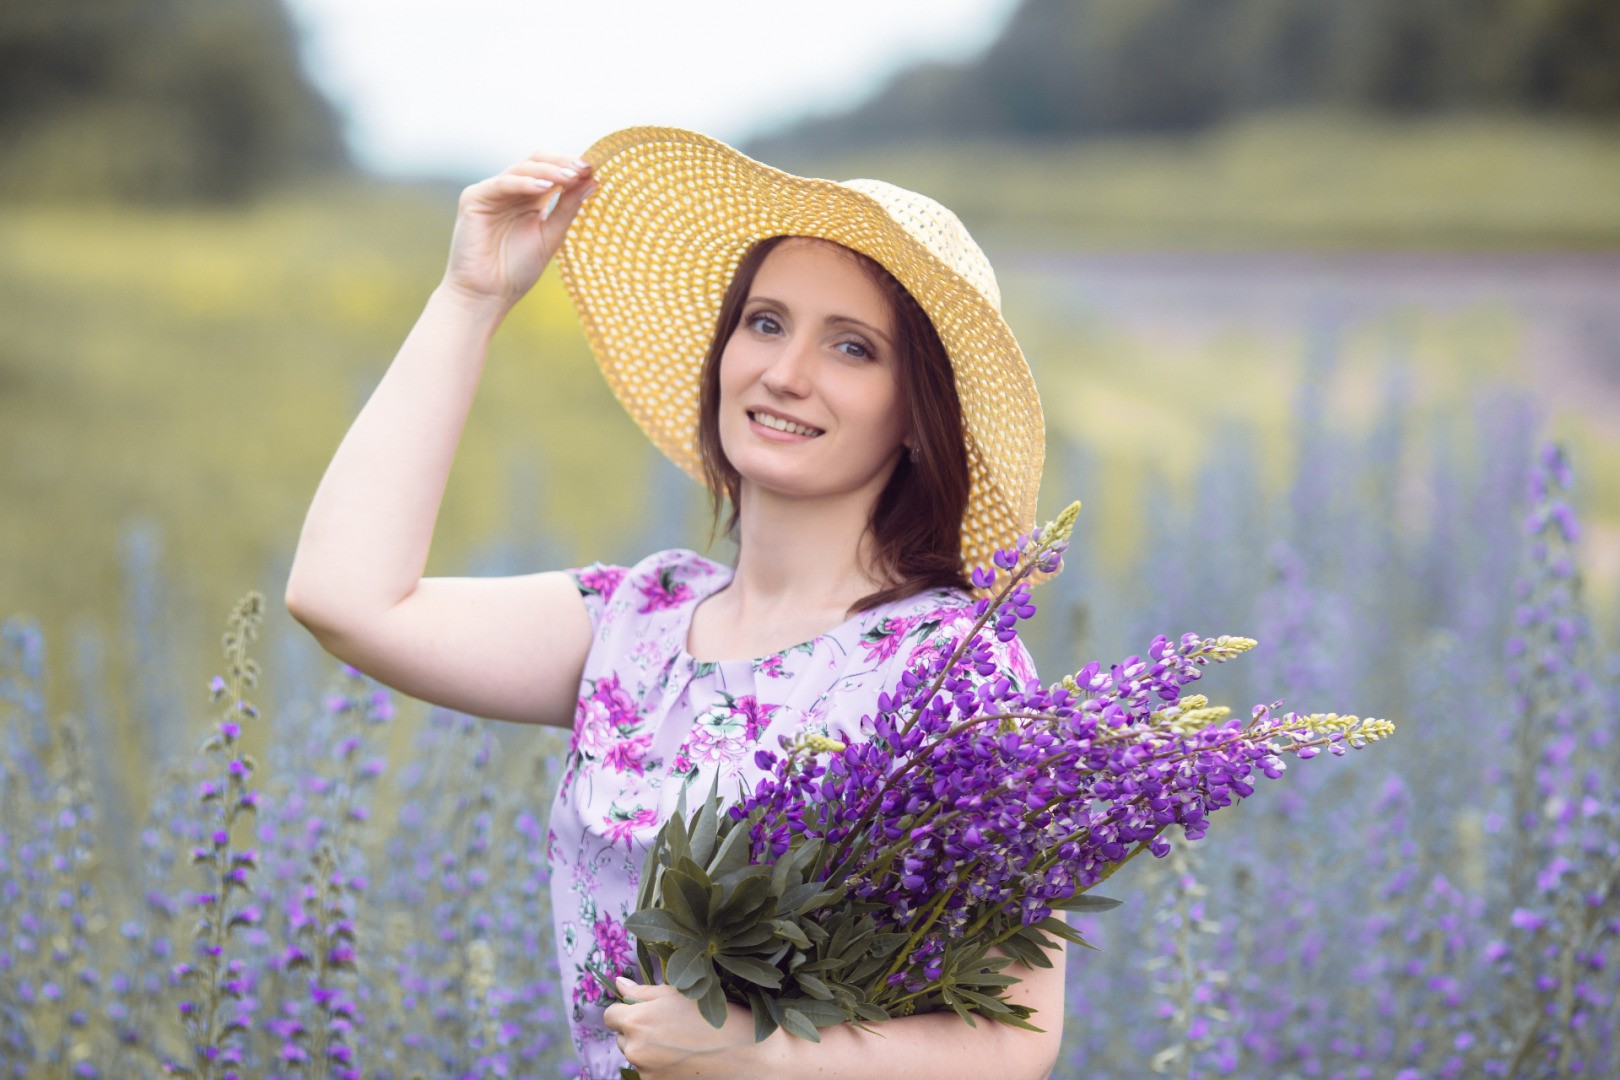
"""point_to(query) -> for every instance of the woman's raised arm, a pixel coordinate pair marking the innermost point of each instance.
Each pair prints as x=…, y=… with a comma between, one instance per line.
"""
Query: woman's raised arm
x=506, y=648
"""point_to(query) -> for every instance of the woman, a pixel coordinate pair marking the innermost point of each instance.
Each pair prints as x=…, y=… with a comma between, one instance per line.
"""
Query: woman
x=831, y=360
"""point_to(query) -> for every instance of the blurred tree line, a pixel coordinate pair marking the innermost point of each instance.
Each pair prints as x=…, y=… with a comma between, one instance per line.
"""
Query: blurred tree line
x=157, y=100
x=1076, y=67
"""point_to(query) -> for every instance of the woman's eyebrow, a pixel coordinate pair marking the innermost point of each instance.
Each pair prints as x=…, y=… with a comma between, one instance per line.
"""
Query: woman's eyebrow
x=837, y=320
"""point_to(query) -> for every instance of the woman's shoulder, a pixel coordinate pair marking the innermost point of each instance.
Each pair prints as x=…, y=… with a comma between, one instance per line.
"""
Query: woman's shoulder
x=662, y=581
x=931, y=624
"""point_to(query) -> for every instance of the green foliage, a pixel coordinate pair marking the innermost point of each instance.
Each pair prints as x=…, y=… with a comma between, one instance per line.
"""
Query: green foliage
x=719, y=928
x=793, y=948
x=1068, y=67
x=157, y=100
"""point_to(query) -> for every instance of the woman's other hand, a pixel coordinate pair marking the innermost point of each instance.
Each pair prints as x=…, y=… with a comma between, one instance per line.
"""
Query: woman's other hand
x=509, y=226
x=665, y=1037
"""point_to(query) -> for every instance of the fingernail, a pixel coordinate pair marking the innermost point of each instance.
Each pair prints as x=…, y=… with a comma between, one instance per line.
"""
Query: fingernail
x=582, y=163
x=541, y=183
x=590, y=189
x=570, y=173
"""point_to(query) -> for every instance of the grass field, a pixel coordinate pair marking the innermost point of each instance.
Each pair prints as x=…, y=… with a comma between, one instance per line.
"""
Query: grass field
x=1308, y=180
x=194, y=369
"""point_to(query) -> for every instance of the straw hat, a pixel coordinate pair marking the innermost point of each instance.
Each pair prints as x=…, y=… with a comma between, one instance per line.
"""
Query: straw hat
x=648, y=258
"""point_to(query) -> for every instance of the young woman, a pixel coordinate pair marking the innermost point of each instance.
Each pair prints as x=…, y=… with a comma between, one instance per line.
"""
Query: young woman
x=831, y=361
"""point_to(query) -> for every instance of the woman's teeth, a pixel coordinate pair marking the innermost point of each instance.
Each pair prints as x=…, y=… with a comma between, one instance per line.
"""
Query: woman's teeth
x=783, y=425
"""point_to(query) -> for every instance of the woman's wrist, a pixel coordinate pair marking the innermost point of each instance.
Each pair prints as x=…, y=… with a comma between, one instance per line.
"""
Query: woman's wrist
x=484, y=312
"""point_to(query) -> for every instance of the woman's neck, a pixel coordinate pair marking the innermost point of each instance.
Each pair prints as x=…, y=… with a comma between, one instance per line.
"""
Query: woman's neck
x=801, y=564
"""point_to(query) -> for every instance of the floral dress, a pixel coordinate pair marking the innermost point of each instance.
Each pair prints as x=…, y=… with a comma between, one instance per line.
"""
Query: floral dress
x=651, y=720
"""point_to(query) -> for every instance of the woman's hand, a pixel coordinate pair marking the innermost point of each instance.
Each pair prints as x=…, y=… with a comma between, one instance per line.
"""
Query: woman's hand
x=504, y=232
x=665, y=1037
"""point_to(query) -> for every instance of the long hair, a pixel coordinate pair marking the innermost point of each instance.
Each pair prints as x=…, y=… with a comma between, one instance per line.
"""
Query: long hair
x=916, y=522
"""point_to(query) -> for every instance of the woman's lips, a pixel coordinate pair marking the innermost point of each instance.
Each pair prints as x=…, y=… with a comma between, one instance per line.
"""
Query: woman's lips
x=781, y=426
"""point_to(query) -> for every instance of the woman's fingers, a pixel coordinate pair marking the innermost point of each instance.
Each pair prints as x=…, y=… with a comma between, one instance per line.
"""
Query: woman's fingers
x=559, y=172
x=562, y=214
x=565, y=160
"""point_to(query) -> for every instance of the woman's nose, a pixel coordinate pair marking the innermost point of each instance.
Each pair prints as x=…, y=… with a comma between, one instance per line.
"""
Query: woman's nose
x=789, y=371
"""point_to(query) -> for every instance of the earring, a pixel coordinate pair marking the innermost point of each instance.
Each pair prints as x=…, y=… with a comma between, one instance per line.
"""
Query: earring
x=916, y=453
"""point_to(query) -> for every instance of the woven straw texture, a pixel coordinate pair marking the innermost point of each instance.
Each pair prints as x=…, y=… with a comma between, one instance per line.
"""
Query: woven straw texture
x=649, y=256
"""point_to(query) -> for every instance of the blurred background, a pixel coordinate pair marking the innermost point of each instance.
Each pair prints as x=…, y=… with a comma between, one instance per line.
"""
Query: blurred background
x=219, y=217
x=1302, y=282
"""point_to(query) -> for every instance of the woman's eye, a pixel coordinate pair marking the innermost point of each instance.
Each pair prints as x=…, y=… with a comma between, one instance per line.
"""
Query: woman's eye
x=858, y=349
x=764, y=323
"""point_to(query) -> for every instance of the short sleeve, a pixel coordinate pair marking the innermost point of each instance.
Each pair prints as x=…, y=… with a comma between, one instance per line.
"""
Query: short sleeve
x=596, y=584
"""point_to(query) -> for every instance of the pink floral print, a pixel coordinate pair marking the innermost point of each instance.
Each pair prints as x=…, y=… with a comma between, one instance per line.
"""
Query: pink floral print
x=663, y=593
x=652, y=720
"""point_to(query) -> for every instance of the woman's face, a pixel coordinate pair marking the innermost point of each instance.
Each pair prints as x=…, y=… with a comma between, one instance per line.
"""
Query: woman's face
x=810, y=403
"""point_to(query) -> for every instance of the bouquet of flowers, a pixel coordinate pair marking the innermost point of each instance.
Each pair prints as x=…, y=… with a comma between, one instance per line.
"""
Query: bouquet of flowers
x=903, y=873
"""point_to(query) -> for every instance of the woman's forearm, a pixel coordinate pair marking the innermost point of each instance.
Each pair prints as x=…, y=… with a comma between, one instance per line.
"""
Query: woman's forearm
x=935, y=1046
x=365, y=540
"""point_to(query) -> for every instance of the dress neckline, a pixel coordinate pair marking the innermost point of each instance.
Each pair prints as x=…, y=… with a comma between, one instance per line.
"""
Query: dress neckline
x=722, y=579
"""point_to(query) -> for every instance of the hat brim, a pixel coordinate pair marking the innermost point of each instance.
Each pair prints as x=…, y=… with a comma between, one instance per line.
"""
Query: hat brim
x=649, y=256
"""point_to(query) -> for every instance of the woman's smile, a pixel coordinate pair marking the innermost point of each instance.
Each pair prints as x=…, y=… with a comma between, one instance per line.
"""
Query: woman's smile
x=779, y=427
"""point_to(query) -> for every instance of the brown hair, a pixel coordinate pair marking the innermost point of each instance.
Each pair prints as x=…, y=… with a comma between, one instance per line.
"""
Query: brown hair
x=916, y=522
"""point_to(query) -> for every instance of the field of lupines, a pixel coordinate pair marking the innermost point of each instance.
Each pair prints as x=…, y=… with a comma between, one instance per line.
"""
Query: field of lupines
x=1449, y=908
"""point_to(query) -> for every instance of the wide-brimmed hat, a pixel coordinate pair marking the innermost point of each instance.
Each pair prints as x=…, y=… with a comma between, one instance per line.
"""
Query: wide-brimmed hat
x=650, y=254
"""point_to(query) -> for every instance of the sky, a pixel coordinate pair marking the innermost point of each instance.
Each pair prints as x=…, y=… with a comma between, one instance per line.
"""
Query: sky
x=462, y=88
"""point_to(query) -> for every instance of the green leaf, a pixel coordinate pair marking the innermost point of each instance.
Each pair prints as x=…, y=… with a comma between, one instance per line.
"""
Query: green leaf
x=607, y=985
x=764, y=1026
x=866, y=969
x=773, y=1005
x=746, y=967
x=798, y=1024
x=805, y=856
x=644, y=960
x=732, y=854
x=1058, y=928
x=793, y=901
x=675, y=902
x=689, y=964
x=813, y=986
x=751, y=938
x=984, y=1001
x=840, y=934
x=706, y=825
x=956, y=1004
x=1018, y=1022
x=789, y=929
x=649, y=871
x=989, y=978
x=1085, y=902
x=868, y=1011
x=661, y=925
x=694, y=894
x=751, y=894
x=675, y=841
x=729, y=881
x=883, y=945
x=856, y=946
x=813, y=930
x=819, y=1013
x=1025, y=952
x=690, y=868
x=713, y=1005
x=1044, y=946
x=628, y=1074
